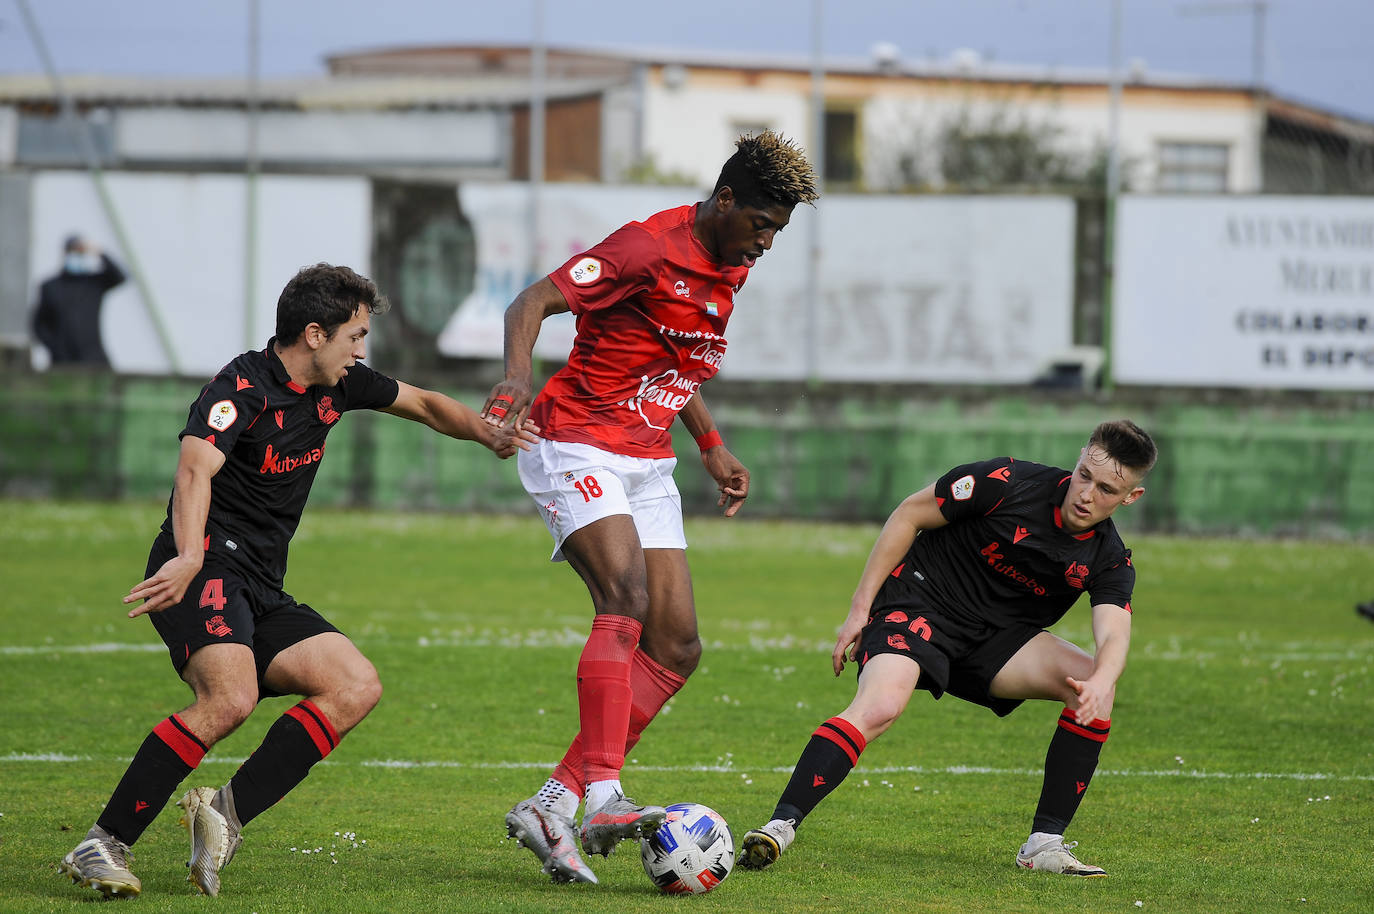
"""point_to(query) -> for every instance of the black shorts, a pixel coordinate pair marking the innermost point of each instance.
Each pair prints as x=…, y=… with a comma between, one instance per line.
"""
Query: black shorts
x=955, y=655
x=225, y=605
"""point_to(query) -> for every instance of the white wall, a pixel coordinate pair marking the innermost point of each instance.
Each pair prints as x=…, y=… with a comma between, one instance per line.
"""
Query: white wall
x=693, y=131
x=895, y=124
x=187, y=232
x=475, y=138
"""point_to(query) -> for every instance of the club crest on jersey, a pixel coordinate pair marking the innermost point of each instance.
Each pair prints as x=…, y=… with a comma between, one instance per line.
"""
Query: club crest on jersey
x=712, y=310
x=586, y=271
x=222, y=415
x=325, y=407
x=1076, y=574
x=962, y=490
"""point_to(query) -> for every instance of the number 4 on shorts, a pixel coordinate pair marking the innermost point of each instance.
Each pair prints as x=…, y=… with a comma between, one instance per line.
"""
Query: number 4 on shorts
x=213, y=595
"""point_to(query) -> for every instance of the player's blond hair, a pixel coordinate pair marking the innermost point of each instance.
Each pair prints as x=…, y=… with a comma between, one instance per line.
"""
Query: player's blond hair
x=768, y=169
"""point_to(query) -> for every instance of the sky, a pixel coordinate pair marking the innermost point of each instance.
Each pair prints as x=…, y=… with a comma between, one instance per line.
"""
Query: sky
x=1314, y=51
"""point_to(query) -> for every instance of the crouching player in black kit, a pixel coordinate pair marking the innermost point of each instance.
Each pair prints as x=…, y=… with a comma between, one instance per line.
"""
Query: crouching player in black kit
x=252, y=445
x=955, y=597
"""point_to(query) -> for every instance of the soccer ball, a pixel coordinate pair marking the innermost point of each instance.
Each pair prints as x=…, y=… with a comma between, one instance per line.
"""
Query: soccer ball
x=691, y=852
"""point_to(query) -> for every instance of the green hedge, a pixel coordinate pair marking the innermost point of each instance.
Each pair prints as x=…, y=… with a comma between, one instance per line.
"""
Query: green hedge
x=1249, y=468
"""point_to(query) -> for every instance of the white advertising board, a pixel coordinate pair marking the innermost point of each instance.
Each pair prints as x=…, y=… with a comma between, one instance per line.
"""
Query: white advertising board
x=188, y=234
x=938, y=289
x=1267, y=292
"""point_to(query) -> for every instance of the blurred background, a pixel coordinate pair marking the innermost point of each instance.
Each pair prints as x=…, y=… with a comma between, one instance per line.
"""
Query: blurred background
x=1036, y=214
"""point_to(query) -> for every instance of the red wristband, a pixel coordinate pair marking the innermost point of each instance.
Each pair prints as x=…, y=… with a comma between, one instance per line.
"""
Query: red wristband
x=709, y=440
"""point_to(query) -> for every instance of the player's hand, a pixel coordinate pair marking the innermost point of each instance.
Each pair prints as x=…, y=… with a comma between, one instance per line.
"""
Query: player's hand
x=847, y=641
x=1094, y=700
x=508, y=404
x=730, y=475
x=505, y=440
x=165, y=588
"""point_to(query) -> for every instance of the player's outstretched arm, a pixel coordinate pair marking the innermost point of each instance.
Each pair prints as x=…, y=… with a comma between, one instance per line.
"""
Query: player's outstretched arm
x=509, y=401
x=731, y=476
x=196, y=466
x=1112, y=634
x=917, y=512
x=449, y=417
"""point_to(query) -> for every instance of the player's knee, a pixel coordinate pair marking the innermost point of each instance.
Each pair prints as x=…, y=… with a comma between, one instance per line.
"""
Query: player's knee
x=626, y=596
x=876, y=714
x=361, y=691
x=682, y=656
x=223, y=711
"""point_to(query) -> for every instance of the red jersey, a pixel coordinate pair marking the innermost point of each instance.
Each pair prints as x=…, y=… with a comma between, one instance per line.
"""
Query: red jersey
x=651, y=307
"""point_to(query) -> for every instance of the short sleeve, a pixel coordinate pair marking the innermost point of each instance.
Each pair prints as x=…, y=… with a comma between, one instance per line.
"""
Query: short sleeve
x=1114, y=585
x=626, y=263
x=226, y=406
x=973, y=489
x=363, y=388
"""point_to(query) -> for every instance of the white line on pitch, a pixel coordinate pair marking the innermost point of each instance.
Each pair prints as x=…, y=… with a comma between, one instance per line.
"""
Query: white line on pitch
x=570, y=639
x=53, y=757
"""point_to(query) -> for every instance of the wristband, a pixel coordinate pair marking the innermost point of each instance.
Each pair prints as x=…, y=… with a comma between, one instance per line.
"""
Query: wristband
x=709, y=440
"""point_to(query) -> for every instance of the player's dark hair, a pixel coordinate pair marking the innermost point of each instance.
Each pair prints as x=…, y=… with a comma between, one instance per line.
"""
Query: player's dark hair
x=326, y=295
x=1126, y=443
x=768, y=170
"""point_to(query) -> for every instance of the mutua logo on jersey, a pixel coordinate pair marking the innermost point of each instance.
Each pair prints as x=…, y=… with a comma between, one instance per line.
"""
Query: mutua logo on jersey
x=274, y=463
x=994, y=557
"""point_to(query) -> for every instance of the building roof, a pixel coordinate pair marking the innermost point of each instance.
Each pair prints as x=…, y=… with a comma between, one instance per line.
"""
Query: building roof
x=337, y=92
x=963, y=65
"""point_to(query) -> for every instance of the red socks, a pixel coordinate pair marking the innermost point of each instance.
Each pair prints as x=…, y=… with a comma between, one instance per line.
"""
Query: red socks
x=651, y=685
x=604, y=695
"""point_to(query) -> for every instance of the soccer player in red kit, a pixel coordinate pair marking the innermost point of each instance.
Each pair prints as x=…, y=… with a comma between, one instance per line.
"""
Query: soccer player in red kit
x=652, y=301
x=955, y=597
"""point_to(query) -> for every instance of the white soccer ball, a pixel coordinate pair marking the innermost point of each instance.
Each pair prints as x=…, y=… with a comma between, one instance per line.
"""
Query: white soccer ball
x=691, y=852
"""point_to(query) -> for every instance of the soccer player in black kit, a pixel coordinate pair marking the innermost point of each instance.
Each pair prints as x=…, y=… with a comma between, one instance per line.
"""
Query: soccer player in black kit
x=250, y=450
x=955, y=597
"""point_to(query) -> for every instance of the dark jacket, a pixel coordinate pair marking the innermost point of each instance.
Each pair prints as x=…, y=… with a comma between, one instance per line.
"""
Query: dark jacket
x=67, y=319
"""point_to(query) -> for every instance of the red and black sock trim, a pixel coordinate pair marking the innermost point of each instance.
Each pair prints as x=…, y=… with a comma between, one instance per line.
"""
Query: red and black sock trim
x=316, y=725
x=181, y=740
x=1097, y=729
x=845, y=735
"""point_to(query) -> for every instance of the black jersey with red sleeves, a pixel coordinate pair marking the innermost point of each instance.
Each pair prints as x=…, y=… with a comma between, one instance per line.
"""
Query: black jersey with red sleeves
x=1005, y=557
x=272, y=432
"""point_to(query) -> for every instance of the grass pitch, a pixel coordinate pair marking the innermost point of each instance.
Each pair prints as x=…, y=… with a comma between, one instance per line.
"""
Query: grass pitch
x=1239, y=775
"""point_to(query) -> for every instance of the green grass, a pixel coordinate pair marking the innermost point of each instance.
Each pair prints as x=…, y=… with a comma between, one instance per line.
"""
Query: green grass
x=1248, y=701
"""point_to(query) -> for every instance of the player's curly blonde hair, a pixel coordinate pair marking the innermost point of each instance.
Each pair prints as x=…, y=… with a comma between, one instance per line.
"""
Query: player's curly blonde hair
x=768, y=169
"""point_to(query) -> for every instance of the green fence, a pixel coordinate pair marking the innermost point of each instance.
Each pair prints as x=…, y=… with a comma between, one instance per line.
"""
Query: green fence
x=1224, y=468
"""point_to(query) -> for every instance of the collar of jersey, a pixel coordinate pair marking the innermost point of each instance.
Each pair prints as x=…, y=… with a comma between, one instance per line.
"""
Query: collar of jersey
x=279, y=372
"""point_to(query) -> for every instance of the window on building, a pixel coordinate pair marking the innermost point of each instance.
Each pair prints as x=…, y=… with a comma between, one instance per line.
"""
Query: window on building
x=1193, y=168
x=842, y=146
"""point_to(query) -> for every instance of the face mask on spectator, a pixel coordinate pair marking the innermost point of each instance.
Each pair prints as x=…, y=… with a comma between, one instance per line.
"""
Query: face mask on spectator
x=79, y=263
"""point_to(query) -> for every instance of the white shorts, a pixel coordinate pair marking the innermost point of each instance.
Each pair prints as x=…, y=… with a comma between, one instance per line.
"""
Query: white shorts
x=576, y=484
